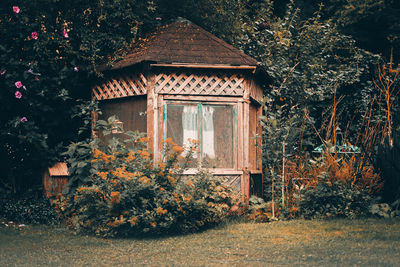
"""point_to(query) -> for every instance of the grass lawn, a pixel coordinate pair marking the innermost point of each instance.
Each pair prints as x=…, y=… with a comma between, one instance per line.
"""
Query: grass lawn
x=368, y=242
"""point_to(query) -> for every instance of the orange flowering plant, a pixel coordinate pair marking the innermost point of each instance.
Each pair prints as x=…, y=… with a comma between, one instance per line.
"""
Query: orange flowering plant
x=126, y=193
x=331, y=185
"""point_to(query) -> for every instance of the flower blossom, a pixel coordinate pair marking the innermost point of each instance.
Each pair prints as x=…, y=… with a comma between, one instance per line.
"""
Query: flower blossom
x=76, y=69
x=24, y=119
x=16, y=9
x=65, y=34
x=158, y=18
x=18, y=94
x=34, y=35
x=2, y=72
x=30, y=71
x=18, y=84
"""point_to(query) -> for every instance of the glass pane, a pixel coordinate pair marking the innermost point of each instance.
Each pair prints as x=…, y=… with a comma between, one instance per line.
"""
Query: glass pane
x=217, y=140
x=182, y=126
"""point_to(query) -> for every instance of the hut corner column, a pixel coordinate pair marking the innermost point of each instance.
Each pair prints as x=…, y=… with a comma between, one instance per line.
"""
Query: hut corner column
x=152, y=115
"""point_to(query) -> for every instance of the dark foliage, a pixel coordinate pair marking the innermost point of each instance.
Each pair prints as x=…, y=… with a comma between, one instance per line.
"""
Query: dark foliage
x=387, y=162
x=374, y=24
x=32, y=207
x=333, y=200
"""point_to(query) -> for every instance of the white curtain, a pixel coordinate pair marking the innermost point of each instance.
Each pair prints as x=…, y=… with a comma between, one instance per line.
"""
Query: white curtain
x=189, y=125
x=208, y=131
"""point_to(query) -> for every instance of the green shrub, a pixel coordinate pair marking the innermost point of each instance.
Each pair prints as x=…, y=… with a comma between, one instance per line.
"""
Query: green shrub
x=334, y=199
x=128, y=194
x=259, y=210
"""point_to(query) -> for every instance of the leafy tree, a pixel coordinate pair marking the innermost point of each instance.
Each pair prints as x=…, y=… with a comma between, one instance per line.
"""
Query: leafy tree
x=309, y=60
x=49, y=50
x=374, y=24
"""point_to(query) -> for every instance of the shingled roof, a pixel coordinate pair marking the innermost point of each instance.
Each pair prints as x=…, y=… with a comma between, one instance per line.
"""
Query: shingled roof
x=183, y=42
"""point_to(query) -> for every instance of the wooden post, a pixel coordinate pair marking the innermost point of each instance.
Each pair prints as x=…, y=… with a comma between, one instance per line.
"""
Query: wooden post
x=273, y=192
x=246, y=135
x=283, y=174
x=259, y=139
x=159, y=127
x=151, y=114
x=246, y=140
x=95, y=117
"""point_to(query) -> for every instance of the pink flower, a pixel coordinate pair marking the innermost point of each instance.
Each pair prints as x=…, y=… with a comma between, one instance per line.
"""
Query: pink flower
x=65, y=34
x=24, y=119
x=18, y=84
x=158, y=18
x=16, y=9
x=2, y=72
x=34, y=35
x=18, y=94
x=76, y=69
x=36, y=78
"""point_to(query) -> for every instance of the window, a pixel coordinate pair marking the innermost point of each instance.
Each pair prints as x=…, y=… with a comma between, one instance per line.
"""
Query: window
x=214, y=125
x=130, y=111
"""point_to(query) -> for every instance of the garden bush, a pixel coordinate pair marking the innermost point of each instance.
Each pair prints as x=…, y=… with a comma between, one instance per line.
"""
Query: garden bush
x=259, y=210
x=333, y=200
x=128, y=194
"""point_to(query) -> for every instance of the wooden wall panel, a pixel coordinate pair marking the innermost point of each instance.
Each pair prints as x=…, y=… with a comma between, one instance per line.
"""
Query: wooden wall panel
x=256, y=92
x=259, y=139
x=252, y=139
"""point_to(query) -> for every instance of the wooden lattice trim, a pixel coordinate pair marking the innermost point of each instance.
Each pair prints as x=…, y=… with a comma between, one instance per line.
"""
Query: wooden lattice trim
x=200, y=84
x=123, y=85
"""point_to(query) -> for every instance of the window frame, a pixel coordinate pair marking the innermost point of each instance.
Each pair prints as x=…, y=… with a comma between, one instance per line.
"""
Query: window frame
x=199, y=104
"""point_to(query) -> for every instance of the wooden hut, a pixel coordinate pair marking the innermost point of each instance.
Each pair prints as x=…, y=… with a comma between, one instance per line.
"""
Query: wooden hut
x=184, y=83
x=55, y=179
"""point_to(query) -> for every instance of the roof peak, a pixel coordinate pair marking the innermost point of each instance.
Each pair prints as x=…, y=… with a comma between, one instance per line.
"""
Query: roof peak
x=184, y=42
x=181, y=19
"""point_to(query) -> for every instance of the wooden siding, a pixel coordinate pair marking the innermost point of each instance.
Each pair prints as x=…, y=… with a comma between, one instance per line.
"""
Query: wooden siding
x=256, y=92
